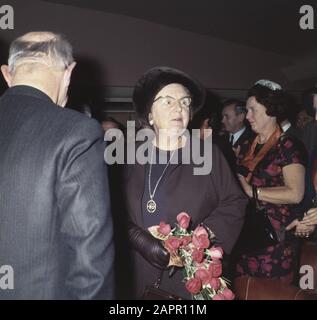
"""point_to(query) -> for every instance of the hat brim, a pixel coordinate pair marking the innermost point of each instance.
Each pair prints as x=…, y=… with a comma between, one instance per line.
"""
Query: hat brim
x=156, y=79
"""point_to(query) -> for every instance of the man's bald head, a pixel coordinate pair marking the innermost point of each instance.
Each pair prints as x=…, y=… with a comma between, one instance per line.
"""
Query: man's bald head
x=42, y=60
x=38, y=36
x=40, y=47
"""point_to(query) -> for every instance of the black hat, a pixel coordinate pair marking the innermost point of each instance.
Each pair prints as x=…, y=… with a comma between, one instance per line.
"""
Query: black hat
x=155, y=80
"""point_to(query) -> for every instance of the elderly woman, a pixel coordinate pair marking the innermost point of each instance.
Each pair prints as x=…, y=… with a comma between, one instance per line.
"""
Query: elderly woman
x=273, y=170
x=165, y=99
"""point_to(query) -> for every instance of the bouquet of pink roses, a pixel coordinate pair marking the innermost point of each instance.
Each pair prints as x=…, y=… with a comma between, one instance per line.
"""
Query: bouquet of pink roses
x=201, y=261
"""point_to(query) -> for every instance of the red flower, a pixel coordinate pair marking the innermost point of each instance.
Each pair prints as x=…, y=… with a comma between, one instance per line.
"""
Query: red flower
x=228, y=294
x=201, y=242
x=186, y=240
x=200, y=231
x=201, y=264
x=197, y=255
x=218, y=296
x=216, y=253
x=214, y=283
x=164, y=228
x=215, y=269
x=203, y=275
x=193, y=285
x=183, y=220
x=172, y=243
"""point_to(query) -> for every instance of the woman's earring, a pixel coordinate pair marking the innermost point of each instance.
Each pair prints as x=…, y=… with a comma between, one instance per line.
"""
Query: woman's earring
x=151, y=122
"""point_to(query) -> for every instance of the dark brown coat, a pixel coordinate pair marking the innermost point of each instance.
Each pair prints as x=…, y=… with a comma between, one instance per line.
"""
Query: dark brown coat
x=215, y=200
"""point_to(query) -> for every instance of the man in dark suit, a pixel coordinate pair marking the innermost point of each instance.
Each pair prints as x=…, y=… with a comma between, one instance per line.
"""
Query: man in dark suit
x=238, y=134
x=55, y=222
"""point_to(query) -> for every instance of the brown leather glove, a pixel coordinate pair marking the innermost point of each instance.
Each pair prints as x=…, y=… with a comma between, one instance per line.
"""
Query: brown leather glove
x=150, y=248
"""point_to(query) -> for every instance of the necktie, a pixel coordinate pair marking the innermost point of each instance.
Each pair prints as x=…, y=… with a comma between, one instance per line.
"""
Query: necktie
x=231, y=139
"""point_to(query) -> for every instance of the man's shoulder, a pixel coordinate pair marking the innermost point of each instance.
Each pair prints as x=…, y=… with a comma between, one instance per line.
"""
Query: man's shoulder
x=80, y=123
x=249, y=133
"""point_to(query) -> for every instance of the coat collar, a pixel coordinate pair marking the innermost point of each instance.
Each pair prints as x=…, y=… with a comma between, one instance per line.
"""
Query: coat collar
x=28, y=91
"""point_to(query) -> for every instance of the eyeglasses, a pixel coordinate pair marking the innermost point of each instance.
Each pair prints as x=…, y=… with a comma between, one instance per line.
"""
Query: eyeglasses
x=168, y=101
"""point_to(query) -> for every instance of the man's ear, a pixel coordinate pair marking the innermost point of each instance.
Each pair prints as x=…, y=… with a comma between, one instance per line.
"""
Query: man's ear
x=150, y=118
x=6, y=74
x=242, y=117
x=68, y=73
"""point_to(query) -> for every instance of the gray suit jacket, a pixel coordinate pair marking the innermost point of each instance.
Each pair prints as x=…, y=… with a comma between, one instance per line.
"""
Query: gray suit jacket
x=55, y=221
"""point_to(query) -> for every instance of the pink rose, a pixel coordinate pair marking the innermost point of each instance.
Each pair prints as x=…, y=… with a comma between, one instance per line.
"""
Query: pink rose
x=164, y=228
x=214, y=283
x=186, y=240
x=197, y=255
x=172, y=244
x=218, y=296
x=216, y=253
x=200, y=264
x=200, y=231
x=228, y=294
x=201, y=242
x=215, y=268
x=193, y=285
x=183, y=220
x=203, y=275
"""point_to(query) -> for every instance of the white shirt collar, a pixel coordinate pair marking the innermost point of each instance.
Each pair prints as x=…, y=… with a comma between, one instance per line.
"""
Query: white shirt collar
x=236, y=135
x=286, y=126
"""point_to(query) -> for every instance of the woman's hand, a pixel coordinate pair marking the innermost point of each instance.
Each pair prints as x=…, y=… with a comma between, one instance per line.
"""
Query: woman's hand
x=246, y=187
x=310, y=219
x=301, y=228
x=151, y=249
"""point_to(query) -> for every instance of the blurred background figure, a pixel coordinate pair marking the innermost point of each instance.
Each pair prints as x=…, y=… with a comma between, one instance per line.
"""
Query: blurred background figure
x=208, y=120
x=238, y=132
x=309, y=132
x=303, y=118
x=288, y=116
x=110, y=123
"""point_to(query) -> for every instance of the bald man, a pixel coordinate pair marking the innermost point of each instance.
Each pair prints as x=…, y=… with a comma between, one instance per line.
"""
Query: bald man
x=55, y=222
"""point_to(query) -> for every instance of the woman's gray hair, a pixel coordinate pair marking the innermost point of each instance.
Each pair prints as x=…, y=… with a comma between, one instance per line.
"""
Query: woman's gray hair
x=54, y=50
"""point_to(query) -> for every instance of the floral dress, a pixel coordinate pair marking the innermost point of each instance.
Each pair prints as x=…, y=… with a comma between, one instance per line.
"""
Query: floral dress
x=279, y=261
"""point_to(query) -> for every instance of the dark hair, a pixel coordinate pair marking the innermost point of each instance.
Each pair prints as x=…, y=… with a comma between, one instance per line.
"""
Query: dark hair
x=308, y=101
x=239, y=106
x=210, y=110
x=278, y=103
